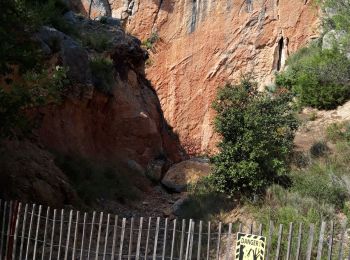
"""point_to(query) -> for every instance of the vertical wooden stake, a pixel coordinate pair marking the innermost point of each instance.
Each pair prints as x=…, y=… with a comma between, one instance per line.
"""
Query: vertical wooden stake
x=52, y=233
x=139, y=240
x=269, y=241
x=165, y=236
x=61, y=235
x=330, y=241
x=199, y=240
x=182, y=238
x=156, y=240
x=218, y=244
x=310, y=242
x=68, y=235
x=229, y=240
x=290, y=235
x=37, y=232
x=131, y=238
x=83, y=237
x=173, y=241
x=16, y=231
x=122, y=239
x=320, y=241
x=98, y=236
x=30, y=230
x=115, y=228
x=208, y=243
x=75, y=234
x=300, y=234
x=106, y=237
x=147, y=237
x=280, y=232
x=91, y=234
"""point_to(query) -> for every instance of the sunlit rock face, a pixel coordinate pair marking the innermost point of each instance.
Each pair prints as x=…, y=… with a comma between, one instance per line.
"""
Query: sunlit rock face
x=205, y=43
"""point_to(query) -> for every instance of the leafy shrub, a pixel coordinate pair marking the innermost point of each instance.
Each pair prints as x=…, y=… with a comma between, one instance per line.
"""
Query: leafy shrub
x=97, y=41
x=319, y=78
x=149, y=42
x=257, y=132
x=37, y=89
x=102, y=71
x=320, y=183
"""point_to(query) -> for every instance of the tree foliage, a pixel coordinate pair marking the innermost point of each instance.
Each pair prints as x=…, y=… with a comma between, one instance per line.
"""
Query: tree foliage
x=257, y=130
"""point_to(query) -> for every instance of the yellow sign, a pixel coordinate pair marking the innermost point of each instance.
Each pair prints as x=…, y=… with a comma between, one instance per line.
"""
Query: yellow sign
x=250, y=247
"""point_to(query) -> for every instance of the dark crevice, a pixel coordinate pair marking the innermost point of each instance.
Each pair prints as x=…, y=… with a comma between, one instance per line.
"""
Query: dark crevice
x=280, y=54
x=157, y=14
x=193, y=16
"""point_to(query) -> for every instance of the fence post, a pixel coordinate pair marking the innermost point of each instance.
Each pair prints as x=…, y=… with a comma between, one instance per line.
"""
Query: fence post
x=218, y=243
x=91, y=234
x=75, y=234
x=122, y=239
x=228, y=249
x=182, y=238
x=341, y=242
x=297, y=254
x=68, y=235
x=199, y=240
x=320, y=241
x=16, y=231
x=30, y=231
x=98, y=236
x=106, y=237
x=310, y=242
x=37, y=232
x=130, y=238
x=290, y=235
x=139, y=240
x=115, y=228
x=83, y=237
x=156, y=240
x=330, y=241
x=208, y=242
x=165, y=236
x=280, y=232
x=269, y=241
x=52, y=233
x=147, y=237
x=173, y=241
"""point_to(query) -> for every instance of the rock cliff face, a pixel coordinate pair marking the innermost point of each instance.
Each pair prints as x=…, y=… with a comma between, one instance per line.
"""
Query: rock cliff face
x=204, y=43
x=124, y=125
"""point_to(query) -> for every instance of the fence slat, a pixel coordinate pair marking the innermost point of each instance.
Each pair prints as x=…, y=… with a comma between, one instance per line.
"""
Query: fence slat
x=52, y=233
x=218, y=243
x=269, y=240
x=3, y=230
x=122, y=239
x=173, y=241
x=91, y=234
x=61, y=235
x=310, y=242
x=330, y=241
x=208, y=242
x=229, y=240
x=23, y=230
x=45, y=233
x=188, y=239
x=260, y=229
x=16, y=231
x=191, y=241
x=30, y=231
x=165, y=236
x=240, y=228
x=199, y=240
x=320, y=241
x=131, y=238
x=182, y=239
x=147, y=237
x=280, y=232
x=68, y=235
x=115, y=229
x=83, y=237
x=98, y=236
x=251, y=227
x=139, y=236
x=156, y=240
x=75, y=234
x=341, y=242
x=37, y=232
x=300, y=234
x=106, y=237
x=290, y=235
x=8, y=229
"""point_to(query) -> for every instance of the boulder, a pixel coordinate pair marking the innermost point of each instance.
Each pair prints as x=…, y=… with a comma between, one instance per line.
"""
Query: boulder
x=72, y=55
x=179, y=176
x=177, y=206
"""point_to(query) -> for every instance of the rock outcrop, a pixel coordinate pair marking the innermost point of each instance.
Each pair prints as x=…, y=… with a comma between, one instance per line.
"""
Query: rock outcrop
x=28, y=173
x=126, y=124
x=205, y=43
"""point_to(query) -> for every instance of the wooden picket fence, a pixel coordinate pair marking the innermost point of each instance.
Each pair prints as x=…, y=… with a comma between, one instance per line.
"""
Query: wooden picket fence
x=30, y=231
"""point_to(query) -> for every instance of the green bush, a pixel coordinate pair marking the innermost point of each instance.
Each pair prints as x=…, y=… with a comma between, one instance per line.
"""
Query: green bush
x=102, y=71
x=257, y=131
x=99, y=42
x=149, y=42
x=319, y=78
x=319, y=149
